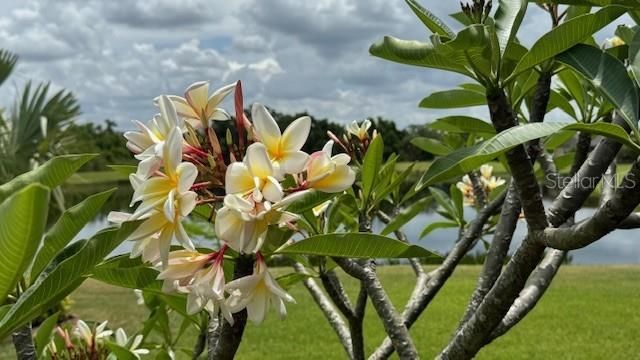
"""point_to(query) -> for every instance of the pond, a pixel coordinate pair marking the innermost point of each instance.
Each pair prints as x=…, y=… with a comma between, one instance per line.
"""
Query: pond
x=619, y=247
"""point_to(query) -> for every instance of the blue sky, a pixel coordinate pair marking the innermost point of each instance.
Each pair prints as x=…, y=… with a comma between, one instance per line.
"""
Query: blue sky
x=116, y=56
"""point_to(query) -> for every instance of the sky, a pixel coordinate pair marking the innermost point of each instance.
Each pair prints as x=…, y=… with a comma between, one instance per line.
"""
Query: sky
x=291, y=55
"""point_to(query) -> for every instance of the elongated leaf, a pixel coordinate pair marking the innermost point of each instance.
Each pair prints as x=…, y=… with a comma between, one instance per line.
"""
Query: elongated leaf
x=437, y=225
x=45, y=333
x=558, y=139
x=464, y=160
x=406, y=215
x=456, y=98
x=65, y=273
x=51, y=174
x=462, y=125
x=308, y=201
x=120, y=352
x=634, y=57
x=125, y=170
x=67, y=227
x=371, y=165
x=508, y=18
x=431, y=146
x=286, y=281
x=608, y=75
x=23, y=218
x=356, y=245
x=444, y=201
x=600, y=3
x=565, y=36
x=415, y=53
x=559, y=102
x=431, y=21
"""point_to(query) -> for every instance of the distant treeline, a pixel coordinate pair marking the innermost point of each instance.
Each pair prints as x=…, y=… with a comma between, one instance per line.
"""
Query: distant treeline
x=105, y=139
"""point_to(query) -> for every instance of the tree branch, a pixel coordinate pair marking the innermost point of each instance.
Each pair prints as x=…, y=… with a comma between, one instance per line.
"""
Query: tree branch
x=391, y=320
x=328, y=310
x=428, y=285
x=231, y=335
x=23, y=343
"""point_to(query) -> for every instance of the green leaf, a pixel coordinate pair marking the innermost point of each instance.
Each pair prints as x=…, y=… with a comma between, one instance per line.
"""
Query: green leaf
x=125, y=170
x=344, y=211
x=406, y=215
x=437, y=225
x=473, y=47
x=558, y=139
x=444, y=201
x=607, y=75
x=415, y=53
x=634, y=57
x=67, y=227
x=431, y=21
x=558, y=101
x=24, y=216
x=356, y=245
x=458, y=202
x=455, y=98
x=565, y=36
x=120, y=352
x=308, y=201
x=508, y=18
x=45, y=333
x=65, y=273
x=371, y=165
x=51, y=174
x=462, y=125
x=431, y=146
x=600, y=3
x=464, y=160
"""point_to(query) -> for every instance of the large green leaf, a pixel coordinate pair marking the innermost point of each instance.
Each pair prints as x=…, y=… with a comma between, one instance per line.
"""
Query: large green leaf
x=415, y=53
x=308, y=201
x=431, y=146
x=406, y=215
x=475, y=47
x=51, y=174
x=462, y=125
x=371, y=165
x=45, y=333
x=67, y=227
x=23, y=218
x=65, y=273
x=431, y=21
x=600, y=3
x=455, y=98
x=608, y=75
x=508, y=18
x=465, y=160
x=634, y=57
x=565, y=36
x=356, y=245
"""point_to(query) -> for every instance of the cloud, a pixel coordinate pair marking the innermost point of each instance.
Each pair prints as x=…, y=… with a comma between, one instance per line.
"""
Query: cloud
x=293, y=55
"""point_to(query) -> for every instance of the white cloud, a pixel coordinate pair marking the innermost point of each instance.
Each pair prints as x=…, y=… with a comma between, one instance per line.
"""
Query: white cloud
x=293, y=55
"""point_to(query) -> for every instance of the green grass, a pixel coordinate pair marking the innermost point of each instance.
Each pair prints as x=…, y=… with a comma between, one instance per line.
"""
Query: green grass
x=589, y=312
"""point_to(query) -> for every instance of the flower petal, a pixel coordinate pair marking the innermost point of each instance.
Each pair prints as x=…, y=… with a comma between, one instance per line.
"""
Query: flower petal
x=295, y=135
x=187, y=174
x=258, y=161
x=197, y=94
x=293, y=162
x=339, y=180
x=266, y=127
x=272, y=190
x=238, y=179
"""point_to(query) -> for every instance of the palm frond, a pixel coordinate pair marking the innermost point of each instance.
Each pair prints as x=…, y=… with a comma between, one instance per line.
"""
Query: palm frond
x=8, y=61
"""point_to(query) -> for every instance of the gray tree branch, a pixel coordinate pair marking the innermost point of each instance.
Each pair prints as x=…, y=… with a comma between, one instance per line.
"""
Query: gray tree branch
x=23, y=343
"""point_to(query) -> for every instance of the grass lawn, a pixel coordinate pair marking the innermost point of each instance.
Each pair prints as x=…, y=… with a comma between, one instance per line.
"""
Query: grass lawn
x=589, y=312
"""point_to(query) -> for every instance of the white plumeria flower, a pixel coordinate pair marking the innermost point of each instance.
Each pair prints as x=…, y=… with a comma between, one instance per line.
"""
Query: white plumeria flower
x=256, y=293
x=172, y=185
x=361, y=131
x=181, y=267
x=123, y=341
x=148, y=142
x=254, y=176
x=283, y=148
x=243, y=224
x=329, y=174
x=466, y=188
x=199, y=106
x=89, y=336
x=489, y=181
x=486, y=170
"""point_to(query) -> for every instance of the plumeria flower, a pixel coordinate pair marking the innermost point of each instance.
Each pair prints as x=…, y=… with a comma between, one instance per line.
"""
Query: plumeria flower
x=199, y=106
x=489, y=181
x=256, y=293
x=170, y=187
x=329, y=174
x=123, y=341
x=466, y=188
x=89, y=336
x=254, y=176
x=148, y=142
x=243, y=224
x=181, y=267
x=283, y=148
x=614, y=42
x=361, y=131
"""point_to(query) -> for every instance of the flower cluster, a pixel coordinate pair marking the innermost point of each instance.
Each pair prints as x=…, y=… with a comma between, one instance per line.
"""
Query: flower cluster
x=85, y=342
x=488, y=181
x=244, y=189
